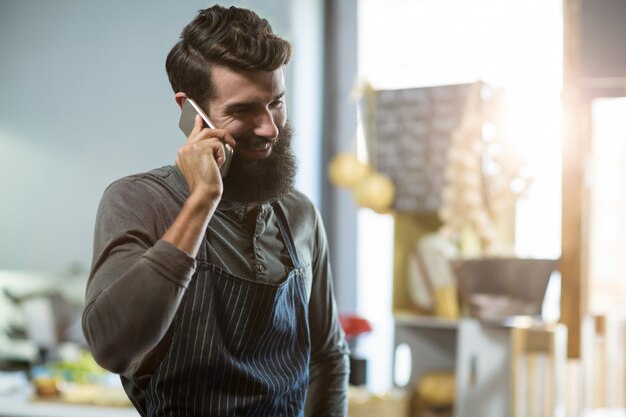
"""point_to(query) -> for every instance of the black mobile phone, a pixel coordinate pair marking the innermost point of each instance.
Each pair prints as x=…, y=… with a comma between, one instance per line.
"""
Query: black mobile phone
x=187, y=118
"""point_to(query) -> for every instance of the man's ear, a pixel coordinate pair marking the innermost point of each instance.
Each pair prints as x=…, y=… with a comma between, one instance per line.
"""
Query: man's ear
x=180, y=98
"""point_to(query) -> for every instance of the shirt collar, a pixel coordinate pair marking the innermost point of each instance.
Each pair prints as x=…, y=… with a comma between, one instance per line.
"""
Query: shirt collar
x=238, y=210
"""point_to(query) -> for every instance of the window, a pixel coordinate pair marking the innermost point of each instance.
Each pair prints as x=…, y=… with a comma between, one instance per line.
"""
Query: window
x=506, y=43
x=607, y=228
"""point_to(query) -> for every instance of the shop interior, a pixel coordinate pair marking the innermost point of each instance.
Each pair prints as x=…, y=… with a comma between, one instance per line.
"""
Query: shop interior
x=467, y=159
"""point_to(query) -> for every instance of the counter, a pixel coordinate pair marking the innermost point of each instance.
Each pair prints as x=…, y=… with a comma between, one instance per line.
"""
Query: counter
x=20, y=404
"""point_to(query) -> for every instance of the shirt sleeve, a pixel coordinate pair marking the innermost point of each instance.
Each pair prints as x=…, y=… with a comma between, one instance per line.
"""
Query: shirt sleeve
x=329, y=368
x=137, y=281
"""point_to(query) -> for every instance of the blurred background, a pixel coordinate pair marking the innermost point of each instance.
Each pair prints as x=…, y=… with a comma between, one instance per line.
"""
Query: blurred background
x=431, y=134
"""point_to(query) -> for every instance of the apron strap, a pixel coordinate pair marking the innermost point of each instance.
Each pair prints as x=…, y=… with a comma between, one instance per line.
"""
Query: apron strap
x=283, y=225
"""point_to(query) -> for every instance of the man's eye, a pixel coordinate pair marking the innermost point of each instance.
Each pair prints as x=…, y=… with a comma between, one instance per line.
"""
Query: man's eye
x=277, y=103
x=240, y=111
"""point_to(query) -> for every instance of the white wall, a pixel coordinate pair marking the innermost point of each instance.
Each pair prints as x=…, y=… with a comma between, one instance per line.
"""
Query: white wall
x=84, y=99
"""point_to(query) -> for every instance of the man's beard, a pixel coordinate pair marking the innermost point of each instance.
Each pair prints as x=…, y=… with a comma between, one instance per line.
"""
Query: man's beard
x=255, y=181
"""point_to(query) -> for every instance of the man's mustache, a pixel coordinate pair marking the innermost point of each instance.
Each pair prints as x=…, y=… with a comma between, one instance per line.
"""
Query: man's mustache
x=256, y=141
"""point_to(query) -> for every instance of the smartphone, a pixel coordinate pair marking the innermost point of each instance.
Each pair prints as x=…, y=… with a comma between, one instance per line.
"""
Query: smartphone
x=187, y=118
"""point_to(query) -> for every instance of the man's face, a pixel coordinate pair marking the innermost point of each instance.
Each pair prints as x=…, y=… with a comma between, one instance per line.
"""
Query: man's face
x=251, y=106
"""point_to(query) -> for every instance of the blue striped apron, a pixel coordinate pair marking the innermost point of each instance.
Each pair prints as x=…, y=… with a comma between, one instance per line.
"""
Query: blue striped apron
x=239, y=347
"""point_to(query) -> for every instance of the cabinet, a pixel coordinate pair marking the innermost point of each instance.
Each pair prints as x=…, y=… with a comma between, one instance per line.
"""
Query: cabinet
x=500, y=371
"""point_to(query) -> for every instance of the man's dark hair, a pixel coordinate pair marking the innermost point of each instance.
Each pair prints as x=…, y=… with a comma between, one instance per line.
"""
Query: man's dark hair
x=236, y=38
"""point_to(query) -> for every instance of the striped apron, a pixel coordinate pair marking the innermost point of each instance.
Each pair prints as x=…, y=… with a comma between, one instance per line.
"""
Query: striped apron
x=239, y=347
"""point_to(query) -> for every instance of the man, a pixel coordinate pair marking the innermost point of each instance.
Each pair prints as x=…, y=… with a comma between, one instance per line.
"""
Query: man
x=212, y=296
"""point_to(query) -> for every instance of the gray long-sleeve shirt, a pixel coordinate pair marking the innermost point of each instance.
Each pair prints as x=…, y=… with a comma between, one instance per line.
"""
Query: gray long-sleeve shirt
x=137, y=281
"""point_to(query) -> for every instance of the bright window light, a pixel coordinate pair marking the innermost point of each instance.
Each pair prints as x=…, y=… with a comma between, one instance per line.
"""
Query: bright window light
x=607, y=207
x=512, y=44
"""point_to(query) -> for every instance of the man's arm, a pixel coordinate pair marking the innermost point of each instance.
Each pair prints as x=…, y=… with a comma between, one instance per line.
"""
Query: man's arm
x=329, y=369
x=140, y=270
x=199, y=160
x=137, y=280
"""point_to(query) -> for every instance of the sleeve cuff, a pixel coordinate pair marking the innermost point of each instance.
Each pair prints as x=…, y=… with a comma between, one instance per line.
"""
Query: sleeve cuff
x=172, y=263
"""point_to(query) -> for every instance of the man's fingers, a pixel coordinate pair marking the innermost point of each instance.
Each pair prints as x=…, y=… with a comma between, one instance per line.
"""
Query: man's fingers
x=206, y=134
x=220, y=155
x=198, y=124
x=211, y=146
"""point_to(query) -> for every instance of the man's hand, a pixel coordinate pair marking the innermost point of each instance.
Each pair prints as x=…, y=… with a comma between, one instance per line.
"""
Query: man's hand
x=200, y=157
x=199, y=160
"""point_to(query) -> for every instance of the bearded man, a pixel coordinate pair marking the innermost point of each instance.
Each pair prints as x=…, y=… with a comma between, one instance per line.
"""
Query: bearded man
x=211, y=295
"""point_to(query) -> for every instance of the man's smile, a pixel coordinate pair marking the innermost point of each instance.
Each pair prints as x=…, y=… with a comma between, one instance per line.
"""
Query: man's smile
x=255, y=148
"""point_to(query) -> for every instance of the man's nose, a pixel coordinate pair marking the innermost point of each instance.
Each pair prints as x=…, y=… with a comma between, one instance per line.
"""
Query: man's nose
x=266, y=126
